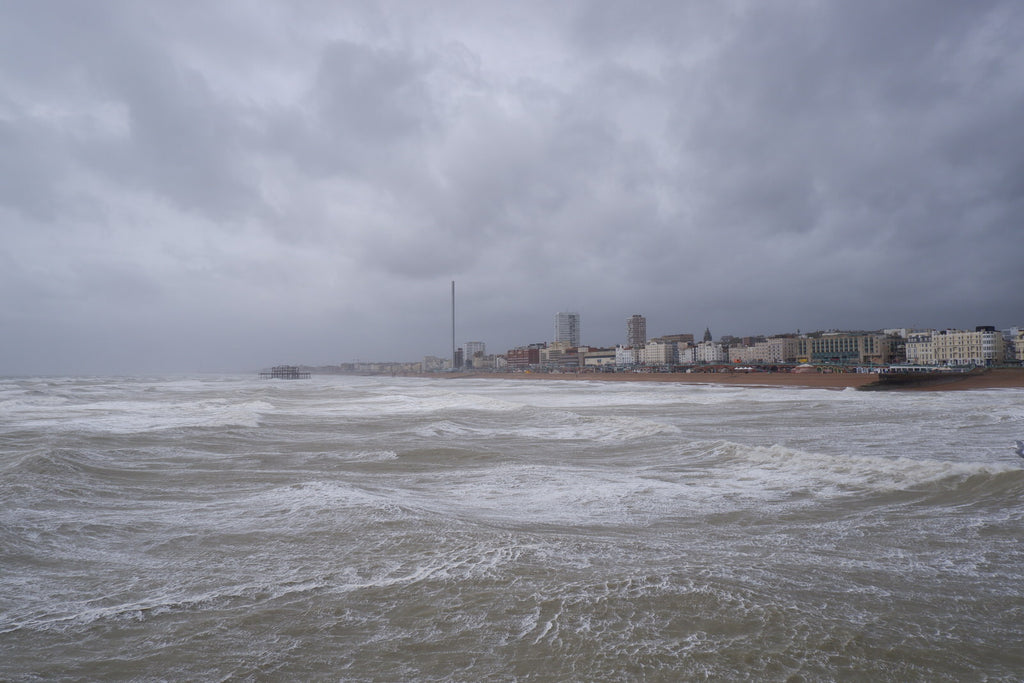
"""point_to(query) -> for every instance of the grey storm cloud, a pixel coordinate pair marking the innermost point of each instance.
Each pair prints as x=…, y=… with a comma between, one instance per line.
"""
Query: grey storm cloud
x=238, y=184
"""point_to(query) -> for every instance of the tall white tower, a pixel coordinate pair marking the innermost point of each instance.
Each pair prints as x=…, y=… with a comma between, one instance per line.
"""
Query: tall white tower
x=567, y=328
x=455, y=359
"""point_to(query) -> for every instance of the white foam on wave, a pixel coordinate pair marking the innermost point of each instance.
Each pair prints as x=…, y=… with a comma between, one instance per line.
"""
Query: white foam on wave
x=447, y=428
x=407, y=403
x=776, y=471
x=27, y=405
x=556, y=426
x=613, y=428
x=287, y=504
x=372, y=456
x=520, y=493
x=704, y=478
x=127, y=417
x=176, y=597
x=590, y=394
x=446, y=564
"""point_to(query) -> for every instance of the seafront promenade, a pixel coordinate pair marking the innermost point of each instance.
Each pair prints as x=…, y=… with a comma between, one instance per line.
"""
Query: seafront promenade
x=1001, y=378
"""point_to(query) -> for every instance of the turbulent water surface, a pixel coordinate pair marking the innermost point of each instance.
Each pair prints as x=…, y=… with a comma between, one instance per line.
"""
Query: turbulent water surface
x=347, y=528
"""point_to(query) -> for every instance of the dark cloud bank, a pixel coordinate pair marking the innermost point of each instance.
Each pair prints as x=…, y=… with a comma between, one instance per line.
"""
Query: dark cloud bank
x=228, y=186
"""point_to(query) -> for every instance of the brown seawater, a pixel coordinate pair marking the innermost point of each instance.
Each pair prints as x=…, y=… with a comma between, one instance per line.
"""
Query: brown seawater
x=373, y=529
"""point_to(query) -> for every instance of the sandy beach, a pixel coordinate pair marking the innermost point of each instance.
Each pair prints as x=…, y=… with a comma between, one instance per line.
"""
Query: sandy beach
x=1002, y=378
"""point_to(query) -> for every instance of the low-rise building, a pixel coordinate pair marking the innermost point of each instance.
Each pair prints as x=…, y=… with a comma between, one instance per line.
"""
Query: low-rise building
x=843, y=347
x=627, y=356
x=560, y=356
x=523, y=357
x=766, y=352
x=599, y=358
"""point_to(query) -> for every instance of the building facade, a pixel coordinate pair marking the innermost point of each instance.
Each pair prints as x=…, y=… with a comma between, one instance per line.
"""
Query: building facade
x=983, y=346
x=523, y=357
x=567, y=328
x=560, y=356
x=678, y=338
x=919, y=349
x=626, y=356
x=710, y=352
x=659, y=353
x=636, y=331
x=599, y=358
x=687, y=354
x=768, y=351
x=1015, y=346
x=475, y=350
x=844, y=348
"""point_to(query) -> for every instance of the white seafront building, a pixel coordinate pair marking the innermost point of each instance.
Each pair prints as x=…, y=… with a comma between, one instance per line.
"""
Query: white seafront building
x=919, y=349
x=659, y=353
x=984, y=346
x=711, y=352
x=626, y=356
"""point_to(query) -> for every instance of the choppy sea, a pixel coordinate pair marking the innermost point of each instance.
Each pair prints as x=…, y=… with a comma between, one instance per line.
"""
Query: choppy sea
x=383, y=529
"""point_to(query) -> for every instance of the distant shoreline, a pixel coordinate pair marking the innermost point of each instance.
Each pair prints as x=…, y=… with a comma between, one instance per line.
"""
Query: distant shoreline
x=1001, y=378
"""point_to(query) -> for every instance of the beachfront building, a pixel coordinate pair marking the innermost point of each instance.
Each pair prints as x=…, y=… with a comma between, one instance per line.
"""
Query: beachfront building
x=919, y=349
x=560, y=355
x=523, y=357
x=782, y=349
x=843, y=348
x=626, y=356
x=598, y=358
x=636, y=331
x=710, y=352
x=983, y=346
x=687, y=354
x=659, y=353
x=744, y=354
x=567, y=328
x=1015, y=346
x=766, y=351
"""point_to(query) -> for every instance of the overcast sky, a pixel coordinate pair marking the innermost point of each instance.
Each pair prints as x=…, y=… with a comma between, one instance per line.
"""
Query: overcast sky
x=224, y=186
